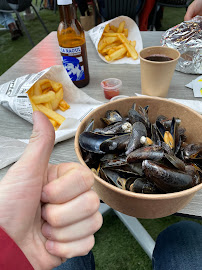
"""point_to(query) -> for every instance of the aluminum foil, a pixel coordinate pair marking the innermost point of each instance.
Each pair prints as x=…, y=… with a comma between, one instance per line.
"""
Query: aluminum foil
x=186, y=37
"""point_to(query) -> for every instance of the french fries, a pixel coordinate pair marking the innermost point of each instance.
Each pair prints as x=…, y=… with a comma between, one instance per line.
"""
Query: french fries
x=47, y=96
x=51, y=114
x=43, y=98
x=114, y=44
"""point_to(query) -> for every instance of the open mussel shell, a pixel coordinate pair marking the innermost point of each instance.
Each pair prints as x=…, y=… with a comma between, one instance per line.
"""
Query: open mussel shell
x=117, y=143
x=91, y=141
x=166, y=122
x=138, y=130
x=193, y=151
x=193, y=170
x=162, y=130
x=139, y=114
x=197, y=167
x=90, y=125
x=155, y=135
x=132, y=168
x=112, y=116
x=90, y=158
x=143, y=185
x=113, y=163
x=134, y=115
x=175, y=161
x=115, y=128
x=111, y=176
x=126, y=182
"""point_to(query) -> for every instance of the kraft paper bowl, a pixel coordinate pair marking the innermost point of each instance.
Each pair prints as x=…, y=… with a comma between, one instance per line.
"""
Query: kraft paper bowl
x=137, y=204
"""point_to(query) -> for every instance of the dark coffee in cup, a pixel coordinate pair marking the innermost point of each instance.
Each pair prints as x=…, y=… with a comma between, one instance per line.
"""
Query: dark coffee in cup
x=156, y=74
x=158, y=58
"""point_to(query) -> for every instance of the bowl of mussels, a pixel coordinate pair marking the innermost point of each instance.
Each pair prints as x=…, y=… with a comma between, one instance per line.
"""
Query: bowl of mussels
x=145, y=153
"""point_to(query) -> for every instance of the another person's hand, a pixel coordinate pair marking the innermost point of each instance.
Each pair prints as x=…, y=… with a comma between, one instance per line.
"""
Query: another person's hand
x=50, y=211
x=195, y=8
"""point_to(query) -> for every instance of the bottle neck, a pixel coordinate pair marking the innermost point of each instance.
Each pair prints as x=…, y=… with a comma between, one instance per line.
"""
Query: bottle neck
x=67, y=13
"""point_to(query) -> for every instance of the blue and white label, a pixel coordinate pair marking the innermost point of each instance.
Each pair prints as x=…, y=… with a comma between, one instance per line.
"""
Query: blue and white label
x=73, y=68
x=71, y=51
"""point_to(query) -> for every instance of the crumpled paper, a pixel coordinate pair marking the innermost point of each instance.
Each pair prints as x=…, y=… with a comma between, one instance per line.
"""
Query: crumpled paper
x=133, y=34
x=196, y=85
x=13, y=96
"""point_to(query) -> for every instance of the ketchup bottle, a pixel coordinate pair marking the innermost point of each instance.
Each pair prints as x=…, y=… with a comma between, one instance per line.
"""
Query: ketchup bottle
x=72, y=43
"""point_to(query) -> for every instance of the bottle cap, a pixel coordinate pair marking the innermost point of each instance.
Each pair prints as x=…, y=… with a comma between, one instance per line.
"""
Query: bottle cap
x=64, y=2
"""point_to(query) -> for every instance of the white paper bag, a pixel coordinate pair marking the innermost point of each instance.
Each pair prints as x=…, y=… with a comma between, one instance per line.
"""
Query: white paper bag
x=133, y=34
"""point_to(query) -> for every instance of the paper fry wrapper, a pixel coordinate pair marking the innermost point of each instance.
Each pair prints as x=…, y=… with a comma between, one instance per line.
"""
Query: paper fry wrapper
x=133, y=34
x=13, y=96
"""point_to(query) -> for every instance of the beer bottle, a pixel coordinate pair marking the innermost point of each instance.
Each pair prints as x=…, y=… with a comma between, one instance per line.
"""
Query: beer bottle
x=72, y=43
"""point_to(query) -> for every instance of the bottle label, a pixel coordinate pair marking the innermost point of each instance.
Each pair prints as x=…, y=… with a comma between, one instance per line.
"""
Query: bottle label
x=73, y=62
x=64, y=2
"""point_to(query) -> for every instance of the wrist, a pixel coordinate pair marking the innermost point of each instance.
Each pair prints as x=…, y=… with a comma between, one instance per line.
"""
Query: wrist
x=33, y=259
x=39, y=257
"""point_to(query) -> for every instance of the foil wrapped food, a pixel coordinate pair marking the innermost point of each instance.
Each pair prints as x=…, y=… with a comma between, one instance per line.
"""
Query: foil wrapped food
x=186, y=37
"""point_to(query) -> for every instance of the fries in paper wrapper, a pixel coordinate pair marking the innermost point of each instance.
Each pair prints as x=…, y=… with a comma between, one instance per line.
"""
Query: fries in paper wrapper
x=52, y=92
x=118, y=41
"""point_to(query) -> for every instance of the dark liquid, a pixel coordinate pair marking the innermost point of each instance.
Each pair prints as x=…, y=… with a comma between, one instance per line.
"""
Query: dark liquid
x=158, y=58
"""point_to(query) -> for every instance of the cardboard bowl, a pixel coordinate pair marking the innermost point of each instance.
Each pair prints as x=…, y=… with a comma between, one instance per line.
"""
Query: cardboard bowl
x=137, y=204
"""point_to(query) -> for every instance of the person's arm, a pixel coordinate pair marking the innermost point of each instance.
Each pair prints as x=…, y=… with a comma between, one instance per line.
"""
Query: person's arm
x=11, y=256
x=49, y=210
x=194, y=9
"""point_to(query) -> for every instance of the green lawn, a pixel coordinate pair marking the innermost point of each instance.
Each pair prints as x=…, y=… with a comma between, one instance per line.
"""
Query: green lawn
x=115, y=247
x=12, y=51
x=172, y=17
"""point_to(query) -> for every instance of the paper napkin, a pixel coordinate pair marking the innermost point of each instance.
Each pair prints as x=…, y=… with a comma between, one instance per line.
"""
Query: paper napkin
x=196, y=85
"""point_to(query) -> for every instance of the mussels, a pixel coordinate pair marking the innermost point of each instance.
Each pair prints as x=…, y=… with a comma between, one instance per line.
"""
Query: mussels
x=167, y=179
x=136, y=155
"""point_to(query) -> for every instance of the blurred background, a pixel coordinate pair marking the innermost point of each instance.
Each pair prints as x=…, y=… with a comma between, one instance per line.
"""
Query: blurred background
x=12, y=51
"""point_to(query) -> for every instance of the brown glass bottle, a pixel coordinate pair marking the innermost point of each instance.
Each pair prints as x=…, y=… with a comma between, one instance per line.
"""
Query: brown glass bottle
x=71, y=39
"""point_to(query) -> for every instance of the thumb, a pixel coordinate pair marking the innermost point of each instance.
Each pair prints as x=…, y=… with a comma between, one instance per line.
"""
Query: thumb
x=39, y=149
x=190, y=12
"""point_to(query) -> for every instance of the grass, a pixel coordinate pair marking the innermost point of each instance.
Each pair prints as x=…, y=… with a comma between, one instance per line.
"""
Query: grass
x=115, y=247
x=14, y=50
x=172, y=17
